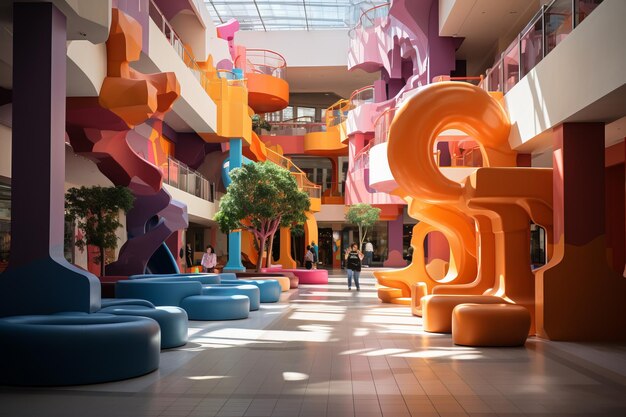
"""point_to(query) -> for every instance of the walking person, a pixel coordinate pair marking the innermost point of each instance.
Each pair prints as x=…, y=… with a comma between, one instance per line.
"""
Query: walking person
x=353, y=265
x=189, y=256
x=308, y=258
x=369, y=253
x=315, y=250
x=209, y=260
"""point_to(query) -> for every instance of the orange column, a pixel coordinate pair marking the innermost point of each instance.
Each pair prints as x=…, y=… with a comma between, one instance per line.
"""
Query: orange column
x=579, y=298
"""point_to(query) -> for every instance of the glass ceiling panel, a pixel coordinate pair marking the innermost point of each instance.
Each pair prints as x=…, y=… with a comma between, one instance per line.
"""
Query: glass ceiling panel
x=283, y=14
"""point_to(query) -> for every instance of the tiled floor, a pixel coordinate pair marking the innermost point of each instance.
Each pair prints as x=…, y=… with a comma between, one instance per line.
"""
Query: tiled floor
x=325, y=351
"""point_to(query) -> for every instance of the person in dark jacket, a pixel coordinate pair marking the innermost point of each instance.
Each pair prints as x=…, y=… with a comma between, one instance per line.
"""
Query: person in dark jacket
x=353, y=265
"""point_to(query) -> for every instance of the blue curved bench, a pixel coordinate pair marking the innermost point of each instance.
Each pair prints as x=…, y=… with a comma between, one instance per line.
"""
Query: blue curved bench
x=270, y=289
x=172, y=320
x=177, y=291
x=227, y=307
x=250, y=291
x=203, y=278
x=73, y=349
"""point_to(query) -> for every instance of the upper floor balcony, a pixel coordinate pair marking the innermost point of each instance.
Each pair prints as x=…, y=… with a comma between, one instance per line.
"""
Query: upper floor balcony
x=265, y=71
x=209, y=103
x=330, y=140
x=363, y=111
x=550, y=26
x=365, y=35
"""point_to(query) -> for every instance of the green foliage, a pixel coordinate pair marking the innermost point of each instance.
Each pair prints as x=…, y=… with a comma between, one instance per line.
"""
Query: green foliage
x=261, y=198
x=364, y=216
x=95, y=211
x=258, y=124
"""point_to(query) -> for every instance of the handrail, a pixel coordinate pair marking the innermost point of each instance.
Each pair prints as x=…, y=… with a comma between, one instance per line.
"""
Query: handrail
x=381, y=133
x=186, y=56
x=307, y=185
x=442, y=78
x=503, y=75
x=179, y=175
x=358, y=158
x=337, y=112
x=364, y=13
x=270, y=63
x=359, y=91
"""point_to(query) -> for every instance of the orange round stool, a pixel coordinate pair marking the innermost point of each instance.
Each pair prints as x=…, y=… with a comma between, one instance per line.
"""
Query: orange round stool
x=490, y=325
x=388, y=294
x=437, y=309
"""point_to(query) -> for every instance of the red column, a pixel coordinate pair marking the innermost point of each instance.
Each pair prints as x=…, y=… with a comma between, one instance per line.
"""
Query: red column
x=578, y=297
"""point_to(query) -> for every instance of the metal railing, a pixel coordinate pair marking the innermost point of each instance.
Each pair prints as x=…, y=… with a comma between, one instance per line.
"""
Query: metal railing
x=472, y=80
x=187, y=57
x=361, y=160
x=262, y=61
x=382, y=125
x=306, y=185
x=297, y=127
x=179, y=175
x=361, y=96
x=337, y=112
x=369, y=18
x=549, y=27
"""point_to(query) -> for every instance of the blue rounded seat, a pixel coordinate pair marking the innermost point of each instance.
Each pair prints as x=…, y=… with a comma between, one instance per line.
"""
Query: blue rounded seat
x=216, y=307
x=270, y=289
x=250, y=291
x=73, y=349
x=205, y=278
x=172, y=320
x=110, y=302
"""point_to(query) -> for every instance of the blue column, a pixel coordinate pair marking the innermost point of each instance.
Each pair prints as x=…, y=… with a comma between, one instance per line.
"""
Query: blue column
x=234, y=238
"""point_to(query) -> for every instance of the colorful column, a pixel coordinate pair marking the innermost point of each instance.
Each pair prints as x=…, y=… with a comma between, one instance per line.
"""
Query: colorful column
x=394, y=237
x=234, y=238
x=579, y=297
x=38, y=279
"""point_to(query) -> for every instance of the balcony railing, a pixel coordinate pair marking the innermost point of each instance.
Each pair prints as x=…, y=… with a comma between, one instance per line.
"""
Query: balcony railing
x=549, y=27
x=179, y=175
x=337, y=112
x=361, y=96
x=382, y=125
x=296, y=127
x=361, y=160
x=472, y=80
x=369, y=18
x=306, y=185
x=262, y=61
x=187, y=57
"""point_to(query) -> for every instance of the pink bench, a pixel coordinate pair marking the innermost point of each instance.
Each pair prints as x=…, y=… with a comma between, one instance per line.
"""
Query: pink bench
x=305, y=276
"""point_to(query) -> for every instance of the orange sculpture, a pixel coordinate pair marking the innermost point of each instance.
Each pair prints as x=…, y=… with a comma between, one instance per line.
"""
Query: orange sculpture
x=502, y=201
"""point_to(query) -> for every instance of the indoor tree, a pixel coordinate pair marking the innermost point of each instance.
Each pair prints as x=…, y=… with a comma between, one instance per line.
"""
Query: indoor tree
x=364, y=216
x=95, y=211
x=261, y=197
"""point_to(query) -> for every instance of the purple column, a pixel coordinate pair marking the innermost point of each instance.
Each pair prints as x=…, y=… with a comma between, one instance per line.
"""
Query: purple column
x=394, y=237
x=38, y=279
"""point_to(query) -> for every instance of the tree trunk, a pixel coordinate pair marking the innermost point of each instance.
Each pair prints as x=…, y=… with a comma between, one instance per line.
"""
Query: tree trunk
x=259, y=262
x=102, y=263
x=269, y=251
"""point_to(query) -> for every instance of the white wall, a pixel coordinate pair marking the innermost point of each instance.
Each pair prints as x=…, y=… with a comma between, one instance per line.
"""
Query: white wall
x=331, y=213
x=194, y=106
x=301, y=48
x=86, y=68
x=582, y=79
x=200, y=211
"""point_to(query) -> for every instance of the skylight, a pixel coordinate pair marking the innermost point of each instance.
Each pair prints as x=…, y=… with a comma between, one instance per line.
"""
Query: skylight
x=283, y=14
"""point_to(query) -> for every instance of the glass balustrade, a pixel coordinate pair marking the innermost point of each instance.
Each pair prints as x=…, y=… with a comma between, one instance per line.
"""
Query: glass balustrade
x=546, y=30
x=180, y=176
